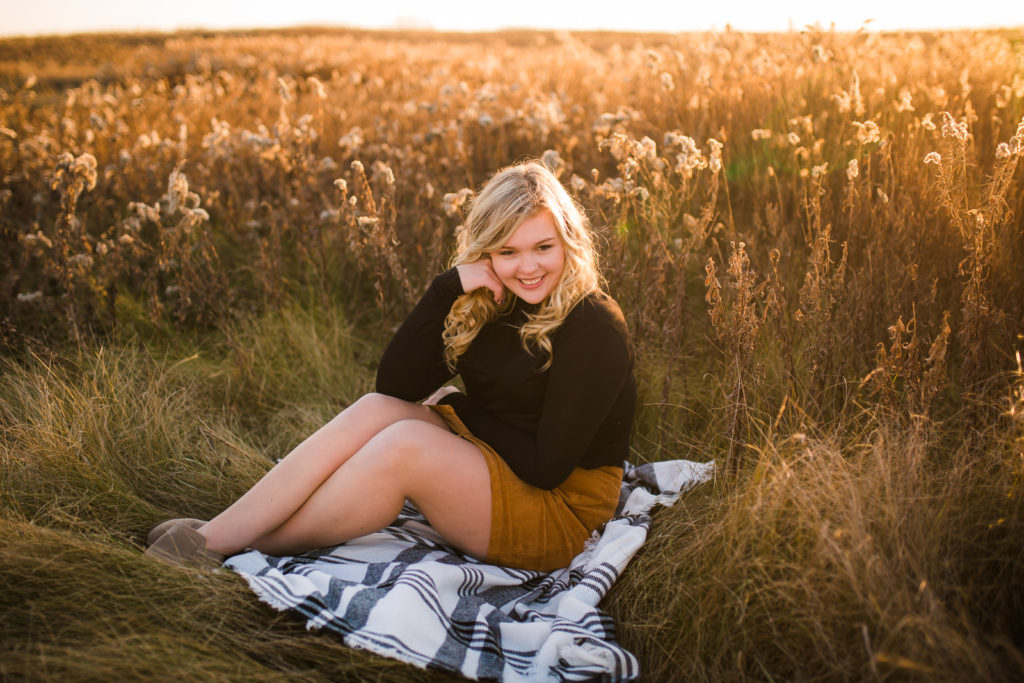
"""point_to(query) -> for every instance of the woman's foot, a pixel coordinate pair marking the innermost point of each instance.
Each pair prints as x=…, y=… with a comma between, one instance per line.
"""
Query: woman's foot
x=182, y=544
x=160, y=528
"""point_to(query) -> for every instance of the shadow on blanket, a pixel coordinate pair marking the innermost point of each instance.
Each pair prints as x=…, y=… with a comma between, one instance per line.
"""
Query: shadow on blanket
x=403, y=593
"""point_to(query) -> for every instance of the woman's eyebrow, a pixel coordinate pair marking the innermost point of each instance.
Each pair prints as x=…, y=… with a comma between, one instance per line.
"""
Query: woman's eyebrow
x=535, y=244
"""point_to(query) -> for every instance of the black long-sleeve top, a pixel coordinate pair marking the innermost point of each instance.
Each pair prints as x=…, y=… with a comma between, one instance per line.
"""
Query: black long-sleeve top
x=577, y=413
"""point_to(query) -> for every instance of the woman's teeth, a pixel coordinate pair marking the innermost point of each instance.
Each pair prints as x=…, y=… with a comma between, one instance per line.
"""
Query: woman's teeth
x=534, y=281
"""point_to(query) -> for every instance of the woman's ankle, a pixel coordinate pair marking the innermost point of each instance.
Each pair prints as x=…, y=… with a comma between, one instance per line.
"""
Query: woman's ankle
x=220, y=542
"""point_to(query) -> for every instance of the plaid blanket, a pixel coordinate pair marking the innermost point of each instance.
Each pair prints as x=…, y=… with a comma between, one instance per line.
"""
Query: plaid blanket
x=403, y=593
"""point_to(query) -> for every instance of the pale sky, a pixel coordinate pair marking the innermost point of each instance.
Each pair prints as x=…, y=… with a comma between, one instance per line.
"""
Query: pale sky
x=34, y=17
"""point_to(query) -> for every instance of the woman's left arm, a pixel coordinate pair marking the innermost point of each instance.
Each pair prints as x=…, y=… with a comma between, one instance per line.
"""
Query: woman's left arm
x=413, y=363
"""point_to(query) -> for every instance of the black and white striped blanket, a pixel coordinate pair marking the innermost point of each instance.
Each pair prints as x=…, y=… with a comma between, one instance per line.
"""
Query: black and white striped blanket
x=403, y=593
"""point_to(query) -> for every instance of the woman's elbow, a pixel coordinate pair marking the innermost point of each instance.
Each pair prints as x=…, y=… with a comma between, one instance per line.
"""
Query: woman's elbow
x=383, y=385
x=390, y=384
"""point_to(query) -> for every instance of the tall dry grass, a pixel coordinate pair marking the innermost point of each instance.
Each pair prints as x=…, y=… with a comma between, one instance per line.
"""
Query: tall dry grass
x=98, y=446
x=815, y=236
x=875, y=554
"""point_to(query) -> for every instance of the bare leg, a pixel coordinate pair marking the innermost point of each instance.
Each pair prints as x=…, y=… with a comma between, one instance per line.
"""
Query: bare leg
x=284, y=489
x=444, y=475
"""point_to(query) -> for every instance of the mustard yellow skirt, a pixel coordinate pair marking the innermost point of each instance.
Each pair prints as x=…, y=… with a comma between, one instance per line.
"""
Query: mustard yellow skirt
x=532, y=528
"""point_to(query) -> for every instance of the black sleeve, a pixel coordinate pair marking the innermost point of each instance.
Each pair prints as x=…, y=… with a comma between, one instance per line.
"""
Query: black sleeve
x=413, y=365
x=589, y=367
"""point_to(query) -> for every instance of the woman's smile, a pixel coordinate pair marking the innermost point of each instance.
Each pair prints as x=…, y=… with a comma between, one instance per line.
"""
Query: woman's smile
x=532, y=283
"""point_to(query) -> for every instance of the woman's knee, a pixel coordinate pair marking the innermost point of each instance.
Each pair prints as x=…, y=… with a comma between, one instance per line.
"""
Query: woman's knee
x=400, y=445
x=374, y=408
x=374, y=403
x=382, y=411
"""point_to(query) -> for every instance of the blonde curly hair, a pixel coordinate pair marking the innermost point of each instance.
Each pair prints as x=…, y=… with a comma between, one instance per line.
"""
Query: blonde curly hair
x=512, y=195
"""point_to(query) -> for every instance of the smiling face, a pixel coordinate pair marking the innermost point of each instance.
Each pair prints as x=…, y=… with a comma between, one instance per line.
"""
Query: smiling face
x=531, y=262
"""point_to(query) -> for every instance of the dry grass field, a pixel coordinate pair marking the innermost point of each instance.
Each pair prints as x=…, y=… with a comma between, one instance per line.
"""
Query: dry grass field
x=206, y=239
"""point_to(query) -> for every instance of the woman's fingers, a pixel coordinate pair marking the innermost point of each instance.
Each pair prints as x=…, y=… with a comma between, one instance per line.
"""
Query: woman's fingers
x=481, y=274
x=494, y=284
x=436, y=397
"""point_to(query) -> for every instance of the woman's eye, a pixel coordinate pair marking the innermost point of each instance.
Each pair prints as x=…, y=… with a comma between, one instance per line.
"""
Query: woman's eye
x=505, y=252
x=544, y=247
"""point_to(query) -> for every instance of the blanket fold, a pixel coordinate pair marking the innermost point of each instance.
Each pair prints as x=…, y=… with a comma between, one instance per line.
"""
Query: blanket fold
x=403, y=593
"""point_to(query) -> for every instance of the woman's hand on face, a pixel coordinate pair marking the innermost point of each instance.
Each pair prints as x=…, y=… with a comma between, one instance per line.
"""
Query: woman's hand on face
x=435, y=397
x=481, y=274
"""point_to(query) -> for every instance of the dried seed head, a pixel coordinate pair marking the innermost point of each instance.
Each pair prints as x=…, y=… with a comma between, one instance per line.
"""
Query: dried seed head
x=352, y=140
x=83, y=261
x=952, y=128
x=616, y=144
x=453, y=201
x=553, y=160
x=629, y=168
x=284, y=89
x=904, y=102
x=382, y=173
x=318, y=87
x=646, y=149
x=852, y=170
x=640, y=194
x=653, y=60
x=867, y=132
x=843, y=101
x=715, y=162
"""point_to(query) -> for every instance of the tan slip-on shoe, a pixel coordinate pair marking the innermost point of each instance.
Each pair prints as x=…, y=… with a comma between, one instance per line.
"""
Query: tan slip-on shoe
x=158, y=531
x=183, y=545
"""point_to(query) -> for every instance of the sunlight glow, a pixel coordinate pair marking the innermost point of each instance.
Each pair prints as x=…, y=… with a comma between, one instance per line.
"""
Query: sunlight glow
x=67, y=16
